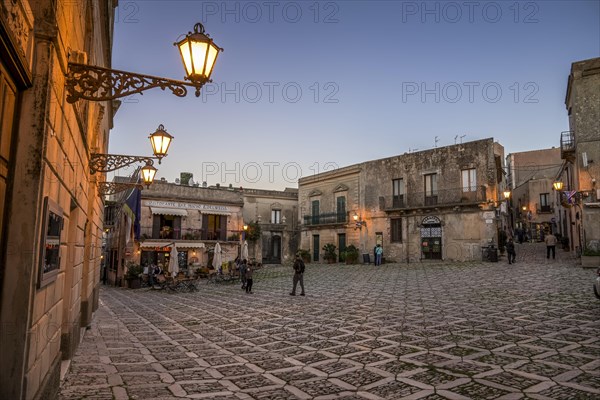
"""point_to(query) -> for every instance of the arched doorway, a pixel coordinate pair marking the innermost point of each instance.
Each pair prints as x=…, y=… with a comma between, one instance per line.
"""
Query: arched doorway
x=431, y=238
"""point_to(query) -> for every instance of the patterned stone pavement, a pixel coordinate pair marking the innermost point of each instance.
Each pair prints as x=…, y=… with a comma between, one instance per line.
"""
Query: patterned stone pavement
x=418, y=331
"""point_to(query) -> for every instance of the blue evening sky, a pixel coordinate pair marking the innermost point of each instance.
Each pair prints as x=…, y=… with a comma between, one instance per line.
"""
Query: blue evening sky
x=307, y=86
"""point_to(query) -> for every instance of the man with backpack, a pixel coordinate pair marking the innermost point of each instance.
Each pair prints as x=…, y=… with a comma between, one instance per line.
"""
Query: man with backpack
x=298, y=275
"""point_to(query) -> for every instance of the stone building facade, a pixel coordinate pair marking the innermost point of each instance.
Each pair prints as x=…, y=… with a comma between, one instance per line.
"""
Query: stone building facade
x=276, y=212
x=436, y=204
x=50, y=212
x=534, y=202
x=193, y=219
x=580, y=150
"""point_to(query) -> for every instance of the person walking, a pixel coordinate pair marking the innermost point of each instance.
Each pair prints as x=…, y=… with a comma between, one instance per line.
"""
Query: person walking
x=378, y=254
x=510, y=251
x=550, y=245
x=249, y=272
x=298, y=275
x=243, y=269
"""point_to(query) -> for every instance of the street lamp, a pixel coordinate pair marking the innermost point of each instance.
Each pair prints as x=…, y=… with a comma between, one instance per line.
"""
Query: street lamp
x=506, y=194
x=358, y=222
x=245, y=229
x=199, y=54
x=89, y=82
x=558, y=185
x=160, y=141
x=148, y=173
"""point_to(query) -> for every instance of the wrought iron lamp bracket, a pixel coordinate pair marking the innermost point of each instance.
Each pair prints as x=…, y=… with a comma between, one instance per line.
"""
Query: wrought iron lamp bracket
x=111, y=162
x=107, y=188
x=94, y=83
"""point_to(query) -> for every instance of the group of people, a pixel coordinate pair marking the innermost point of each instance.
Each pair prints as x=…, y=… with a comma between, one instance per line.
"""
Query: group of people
x=247, y=271
x=549, y=239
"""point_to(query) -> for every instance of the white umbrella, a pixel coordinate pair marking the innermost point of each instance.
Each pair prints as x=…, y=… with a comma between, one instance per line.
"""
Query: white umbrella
x=173, y=261
x=245, y=250
x=217, y=257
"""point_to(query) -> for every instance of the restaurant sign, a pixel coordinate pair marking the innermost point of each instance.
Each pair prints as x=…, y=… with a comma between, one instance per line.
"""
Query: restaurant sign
x=187, y=206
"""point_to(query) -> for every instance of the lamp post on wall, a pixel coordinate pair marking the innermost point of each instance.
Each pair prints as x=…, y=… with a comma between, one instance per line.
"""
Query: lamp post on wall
x=558, y=187
x=160, y=141
x=507, y=194
x=358, y=222
x=198, y=52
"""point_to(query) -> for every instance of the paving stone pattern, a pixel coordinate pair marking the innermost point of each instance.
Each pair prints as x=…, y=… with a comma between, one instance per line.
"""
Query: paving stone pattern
x=418, y=331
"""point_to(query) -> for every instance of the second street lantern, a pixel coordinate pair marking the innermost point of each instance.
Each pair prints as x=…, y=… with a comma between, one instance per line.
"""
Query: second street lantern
x=199, y=54
x=160, y=140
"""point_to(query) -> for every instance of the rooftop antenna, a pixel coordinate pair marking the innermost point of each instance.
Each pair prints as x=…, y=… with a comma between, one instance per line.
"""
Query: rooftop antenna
x=461, y=138
x=436, y=141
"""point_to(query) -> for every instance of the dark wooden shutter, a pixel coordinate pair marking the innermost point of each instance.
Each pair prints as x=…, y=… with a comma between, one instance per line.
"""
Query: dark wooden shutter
x=204, y=227
x=155, y=226
x=397, y=230
x=341, y=209
x=223, y=227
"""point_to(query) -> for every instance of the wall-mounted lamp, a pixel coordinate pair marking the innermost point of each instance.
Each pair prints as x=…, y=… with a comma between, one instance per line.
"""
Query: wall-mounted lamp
x=160, y=141
x=506, y=194
x=198, y=53
x=358, y=223
x=558, y=185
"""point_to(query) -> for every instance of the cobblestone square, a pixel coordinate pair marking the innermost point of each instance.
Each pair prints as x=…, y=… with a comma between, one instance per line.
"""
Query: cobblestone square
x=418, y=331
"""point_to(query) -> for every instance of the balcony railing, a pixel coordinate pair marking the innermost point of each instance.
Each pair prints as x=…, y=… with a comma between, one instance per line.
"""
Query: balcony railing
x=188, y=234
x=110, y=214
x=398, y=201
x=567, y=144
x=328, y=218
x=438, y=198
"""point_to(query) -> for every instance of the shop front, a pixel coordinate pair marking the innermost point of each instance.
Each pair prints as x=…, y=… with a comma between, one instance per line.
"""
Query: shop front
x=189, y=255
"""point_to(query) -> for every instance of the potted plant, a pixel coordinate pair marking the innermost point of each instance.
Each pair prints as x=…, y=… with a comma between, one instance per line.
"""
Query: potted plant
x=134, y=271
x=304, y=255
x=351, y=254
x=330, y=255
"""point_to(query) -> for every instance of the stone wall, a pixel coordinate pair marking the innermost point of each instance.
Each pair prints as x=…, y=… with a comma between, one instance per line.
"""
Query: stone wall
x=465, y=217
x=50, y=161
x=258, y=207
x=583, y=106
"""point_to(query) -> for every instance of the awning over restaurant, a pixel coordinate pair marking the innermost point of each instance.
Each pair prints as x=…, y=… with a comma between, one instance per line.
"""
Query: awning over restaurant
x=190, y=245
x=152, y=245
x=215, y=213
x=169, y=211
